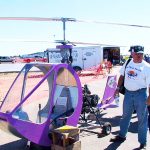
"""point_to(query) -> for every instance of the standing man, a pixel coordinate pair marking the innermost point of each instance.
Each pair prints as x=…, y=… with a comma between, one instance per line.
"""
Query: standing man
x=137, y=79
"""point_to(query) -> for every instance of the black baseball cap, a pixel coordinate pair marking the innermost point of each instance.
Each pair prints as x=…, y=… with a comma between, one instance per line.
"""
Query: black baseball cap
x=137, y=49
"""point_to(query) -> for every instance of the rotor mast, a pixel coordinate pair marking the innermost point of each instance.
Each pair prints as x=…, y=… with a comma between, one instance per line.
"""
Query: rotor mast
x=64, y=20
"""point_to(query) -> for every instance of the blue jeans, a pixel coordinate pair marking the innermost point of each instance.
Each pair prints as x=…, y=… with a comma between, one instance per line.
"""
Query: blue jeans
x=149, y=117
x=135, y=100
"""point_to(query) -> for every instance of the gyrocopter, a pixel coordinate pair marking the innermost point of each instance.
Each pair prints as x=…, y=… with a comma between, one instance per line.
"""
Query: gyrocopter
x=43, y=97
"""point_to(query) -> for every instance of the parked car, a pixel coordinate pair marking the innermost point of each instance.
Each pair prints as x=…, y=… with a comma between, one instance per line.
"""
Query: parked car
x=29, y=59
x=6, y=59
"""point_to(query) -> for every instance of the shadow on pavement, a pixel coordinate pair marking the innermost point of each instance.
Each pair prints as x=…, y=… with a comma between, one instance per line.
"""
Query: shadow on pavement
x=22, y=145
x=16, y=145
x=113, y=146
x=94, y=126
x=114, y=121
x=133, y=128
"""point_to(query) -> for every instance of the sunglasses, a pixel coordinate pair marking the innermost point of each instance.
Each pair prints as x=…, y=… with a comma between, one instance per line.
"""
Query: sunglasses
x=138, y=53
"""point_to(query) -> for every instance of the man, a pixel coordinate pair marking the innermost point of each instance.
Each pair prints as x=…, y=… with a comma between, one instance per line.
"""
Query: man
x=137, y=79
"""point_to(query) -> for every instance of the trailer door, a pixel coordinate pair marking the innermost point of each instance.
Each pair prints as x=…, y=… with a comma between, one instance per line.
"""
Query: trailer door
x=89, y=58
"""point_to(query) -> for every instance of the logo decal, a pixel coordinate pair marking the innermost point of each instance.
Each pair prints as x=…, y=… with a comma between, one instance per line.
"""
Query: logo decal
x=112, y=82
x=132, y=74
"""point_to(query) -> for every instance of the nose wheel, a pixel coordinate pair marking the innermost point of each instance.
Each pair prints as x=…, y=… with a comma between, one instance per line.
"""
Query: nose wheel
x=106, y=129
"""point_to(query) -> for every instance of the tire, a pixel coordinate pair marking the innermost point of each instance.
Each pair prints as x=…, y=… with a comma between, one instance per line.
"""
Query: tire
x=106, y=129
x=77, y=69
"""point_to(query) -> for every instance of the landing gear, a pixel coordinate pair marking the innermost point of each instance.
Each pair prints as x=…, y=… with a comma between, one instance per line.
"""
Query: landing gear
x=106, y=129
x=89, y=106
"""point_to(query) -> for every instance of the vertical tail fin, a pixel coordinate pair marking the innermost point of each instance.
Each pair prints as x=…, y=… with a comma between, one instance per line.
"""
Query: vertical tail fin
x=108, y=96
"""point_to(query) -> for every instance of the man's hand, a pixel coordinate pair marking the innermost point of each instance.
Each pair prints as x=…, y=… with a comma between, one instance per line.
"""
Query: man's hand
x=116, y=92
x=120, y=80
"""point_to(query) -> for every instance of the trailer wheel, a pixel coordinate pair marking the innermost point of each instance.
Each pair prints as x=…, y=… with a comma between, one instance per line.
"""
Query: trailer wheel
x=77, y=69
x=106, y=129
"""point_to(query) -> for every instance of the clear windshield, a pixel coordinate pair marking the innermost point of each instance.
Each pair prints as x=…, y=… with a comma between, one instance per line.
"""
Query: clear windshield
x=28, y=78
x=38, y=92
x=14, y=95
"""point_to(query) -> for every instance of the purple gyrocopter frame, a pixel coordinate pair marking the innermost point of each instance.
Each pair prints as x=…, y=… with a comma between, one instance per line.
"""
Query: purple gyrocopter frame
x=16, y=121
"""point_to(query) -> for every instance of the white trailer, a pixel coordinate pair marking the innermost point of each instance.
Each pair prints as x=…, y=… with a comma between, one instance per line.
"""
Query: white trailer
x=83, y=57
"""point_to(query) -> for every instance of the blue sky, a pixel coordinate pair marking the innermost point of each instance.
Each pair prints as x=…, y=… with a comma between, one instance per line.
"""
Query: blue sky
x=12, y=33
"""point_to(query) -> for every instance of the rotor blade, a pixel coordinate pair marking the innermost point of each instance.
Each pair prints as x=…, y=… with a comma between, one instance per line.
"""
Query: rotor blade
x=38, y=19
x=113, y=23
x=98, y=44
x=31, y=18
x=71, y=20
x=58, y=41
x=25, y=40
